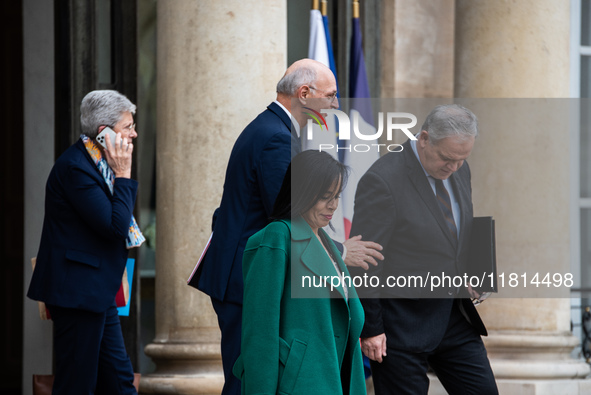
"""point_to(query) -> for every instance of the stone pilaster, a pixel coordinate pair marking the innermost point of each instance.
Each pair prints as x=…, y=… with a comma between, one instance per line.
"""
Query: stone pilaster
x=520, y=175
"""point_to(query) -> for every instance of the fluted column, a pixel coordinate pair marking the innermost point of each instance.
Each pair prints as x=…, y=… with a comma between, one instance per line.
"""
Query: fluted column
x=218, y=63
x=520, y=175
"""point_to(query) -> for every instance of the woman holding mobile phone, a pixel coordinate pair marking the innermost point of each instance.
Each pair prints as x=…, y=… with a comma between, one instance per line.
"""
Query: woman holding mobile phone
x=88, y=230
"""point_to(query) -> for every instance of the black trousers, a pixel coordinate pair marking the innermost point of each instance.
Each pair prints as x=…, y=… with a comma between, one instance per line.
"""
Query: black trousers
x=460, y=362
x=89, y=352
x=230, y=322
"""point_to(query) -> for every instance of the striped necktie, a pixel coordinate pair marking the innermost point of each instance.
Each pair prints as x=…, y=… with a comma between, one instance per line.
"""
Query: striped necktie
x=445, y=203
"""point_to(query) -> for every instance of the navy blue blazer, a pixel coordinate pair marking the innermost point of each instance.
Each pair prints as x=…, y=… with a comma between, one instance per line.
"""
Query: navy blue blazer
x=254, y=175
x=82, y=253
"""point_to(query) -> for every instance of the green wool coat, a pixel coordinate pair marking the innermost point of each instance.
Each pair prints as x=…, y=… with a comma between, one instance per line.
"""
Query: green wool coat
x=294, y=345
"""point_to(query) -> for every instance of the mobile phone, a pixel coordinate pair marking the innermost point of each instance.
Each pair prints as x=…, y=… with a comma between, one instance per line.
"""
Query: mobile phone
x=101, y=137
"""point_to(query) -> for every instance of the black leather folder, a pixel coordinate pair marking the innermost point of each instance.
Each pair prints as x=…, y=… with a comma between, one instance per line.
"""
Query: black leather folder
x=482, y=258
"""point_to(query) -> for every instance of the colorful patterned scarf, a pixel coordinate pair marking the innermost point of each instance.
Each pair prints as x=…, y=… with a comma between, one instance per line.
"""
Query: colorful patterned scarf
x=135, y=238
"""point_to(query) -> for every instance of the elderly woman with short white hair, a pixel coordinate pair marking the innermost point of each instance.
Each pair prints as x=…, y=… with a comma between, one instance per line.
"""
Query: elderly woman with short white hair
x=88, y=230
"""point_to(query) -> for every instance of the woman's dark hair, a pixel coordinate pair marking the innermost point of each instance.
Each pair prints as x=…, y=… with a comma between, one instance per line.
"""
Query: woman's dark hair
x=309, y=176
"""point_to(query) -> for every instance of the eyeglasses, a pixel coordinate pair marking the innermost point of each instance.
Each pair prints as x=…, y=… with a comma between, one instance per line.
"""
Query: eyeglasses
x=128, y=128
x=331, y=97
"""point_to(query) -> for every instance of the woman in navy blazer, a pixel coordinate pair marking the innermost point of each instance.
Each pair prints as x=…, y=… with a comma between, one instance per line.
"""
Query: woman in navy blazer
x=87, y=231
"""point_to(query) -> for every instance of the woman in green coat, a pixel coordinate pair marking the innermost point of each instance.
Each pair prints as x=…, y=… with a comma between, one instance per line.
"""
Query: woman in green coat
x=301, y=316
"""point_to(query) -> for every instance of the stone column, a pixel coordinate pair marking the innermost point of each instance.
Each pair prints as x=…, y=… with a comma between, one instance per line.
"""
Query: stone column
x=520, y=175
x=218, y=64
x=416, y=48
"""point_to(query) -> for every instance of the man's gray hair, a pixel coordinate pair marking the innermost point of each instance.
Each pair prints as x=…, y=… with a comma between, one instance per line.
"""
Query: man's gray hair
x=103, y=107
x=450, y=120
x=290, y=83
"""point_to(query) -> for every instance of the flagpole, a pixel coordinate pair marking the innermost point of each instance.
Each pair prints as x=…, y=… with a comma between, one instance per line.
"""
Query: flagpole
x=324, y=7
x=315, y=5
x=355, y=9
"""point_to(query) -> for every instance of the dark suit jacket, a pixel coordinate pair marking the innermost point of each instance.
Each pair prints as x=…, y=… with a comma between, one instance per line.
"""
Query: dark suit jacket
x=82, y=253
x=255, y=171
x=396, y=207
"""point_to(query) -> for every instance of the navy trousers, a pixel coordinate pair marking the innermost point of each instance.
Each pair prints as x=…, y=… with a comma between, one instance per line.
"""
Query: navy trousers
x=460, y=362
x=230, y=322
x=90, y=356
